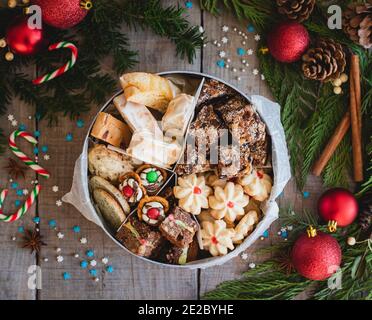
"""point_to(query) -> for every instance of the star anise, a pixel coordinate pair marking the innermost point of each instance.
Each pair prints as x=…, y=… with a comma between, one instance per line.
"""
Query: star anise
x=33, y=241
x=284, y=262
x=15, y=169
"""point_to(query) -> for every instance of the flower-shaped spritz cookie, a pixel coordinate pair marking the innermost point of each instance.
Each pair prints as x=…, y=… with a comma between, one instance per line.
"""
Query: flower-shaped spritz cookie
x=216, y=237
x=257, y=184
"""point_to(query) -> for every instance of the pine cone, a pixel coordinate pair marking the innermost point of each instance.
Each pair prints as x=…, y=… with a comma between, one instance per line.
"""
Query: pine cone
x=357, y=23
x=365, y=211
x=325, y=62
x=299, y=10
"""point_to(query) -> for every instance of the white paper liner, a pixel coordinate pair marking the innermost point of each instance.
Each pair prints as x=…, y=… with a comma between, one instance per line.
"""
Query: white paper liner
x=270, y=114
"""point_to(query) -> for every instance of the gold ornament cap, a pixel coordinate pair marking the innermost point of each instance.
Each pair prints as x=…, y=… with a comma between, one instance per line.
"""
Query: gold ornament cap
x=311, y=232
x=86, y=4
x=332, y=226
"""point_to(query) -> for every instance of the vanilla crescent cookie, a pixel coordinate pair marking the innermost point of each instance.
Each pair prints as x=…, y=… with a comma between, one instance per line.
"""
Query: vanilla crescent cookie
x=245, y=226
x=216, y=237
x=257, y=184
x=192, y=193
x=228, y=203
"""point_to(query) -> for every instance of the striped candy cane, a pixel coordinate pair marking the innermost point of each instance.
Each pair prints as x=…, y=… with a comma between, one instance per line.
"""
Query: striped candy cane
x=22, y=210
x=32, y=164
x=63, y=69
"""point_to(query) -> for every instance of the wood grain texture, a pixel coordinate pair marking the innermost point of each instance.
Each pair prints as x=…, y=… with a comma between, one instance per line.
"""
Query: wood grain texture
x=132, y=278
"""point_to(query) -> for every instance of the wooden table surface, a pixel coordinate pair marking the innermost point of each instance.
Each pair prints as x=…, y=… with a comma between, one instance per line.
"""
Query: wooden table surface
x=132, y=278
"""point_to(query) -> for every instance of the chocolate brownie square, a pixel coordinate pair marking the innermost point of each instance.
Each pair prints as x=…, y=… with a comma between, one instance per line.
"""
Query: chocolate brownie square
x=177, y=255
x=213, y=90
x=139, y=238
x=193, y=162
x=179, y=227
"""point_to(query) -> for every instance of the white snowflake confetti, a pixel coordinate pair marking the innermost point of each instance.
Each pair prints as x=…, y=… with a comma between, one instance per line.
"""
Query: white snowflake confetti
x=249, y=52
x=93, y=263
x=83, y=240
x=55, y=188
x=257, y=37
x=105, y=260
x=263, y=78
x=14, y=123
x=244, y=256
x=255, y=72
x=46, y=157
x=222, y=54
x=25, y=192
x=225, y=28
x=10, y=117
x=224, y=40
x=58, y=203
x=290, y=228
x=60, y=235
x=59, y=259
x=252, y=265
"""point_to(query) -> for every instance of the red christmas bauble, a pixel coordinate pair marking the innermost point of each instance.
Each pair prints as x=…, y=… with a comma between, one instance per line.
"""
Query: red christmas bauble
x=23, y=40
x=288, y=41
x=316, y=258
x=61, y=14
x=338, y=205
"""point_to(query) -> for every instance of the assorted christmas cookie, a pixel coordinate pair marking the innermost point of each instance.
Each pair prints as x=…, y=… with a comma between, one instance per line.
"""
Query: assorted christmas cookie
x=192, y=193
x=257, y=184
x=245, y=226
x=216, y=237
x=131, y=188
x=179, y=227
x=152, y=177
x=177, y=255
x=228, y=203
x=152, y=210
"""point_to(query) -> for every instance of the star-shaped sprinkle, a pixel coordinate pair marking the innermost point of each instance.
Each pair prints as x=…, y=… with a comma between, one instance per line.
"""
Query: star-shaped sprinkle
x=17, y=203
x=255, y=72
x=80, y=123
x=93, y=272
x=252, y=265
x=69, y=137
x=110, y=269
x=10, y=117
x=36, y=150
x=221, y=63
x=306, y=194
x=93, y=263
x=52, y=223
x=36, y=220
x=55, y=188
x=225, y=28
x=222, y=54
x=249, y=52
x=250, y=28
x=224, y=40
x=44, y=149
x=89, y=253
x=19, y=192
x=76, y=229
x=244, y=256
x=46, y=157
x=22, y=127
x=83, y=240
x=21, y=229
x=37, y=133
x=58, y=203
x=59, y=259
x=240, y=51
x=84, y=264
x=257, y=37
x=188, y=4
x=14, y=185
x=66, y=276
x=104, y=260
x=14, y=123
x=60, y=235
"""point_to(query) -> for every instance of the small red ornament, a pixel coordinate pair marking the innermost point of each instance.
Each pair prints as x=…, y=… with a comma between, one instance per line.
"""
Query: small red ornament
x=23, y=40
x=153, y=213
x=288, y=41
x=63, y=14
x=338, y=207
x=128, y=191
x=316, y=255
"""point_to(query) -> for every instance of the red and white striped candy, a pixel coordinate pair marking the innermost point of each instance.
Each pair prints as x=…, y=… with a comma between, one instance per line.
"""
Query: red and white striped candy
x=32, y=164
x=22, y=210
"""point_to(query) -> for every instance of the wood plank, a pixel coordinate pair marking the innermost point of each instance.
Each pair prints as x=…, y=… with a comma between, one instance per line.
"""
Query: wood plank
x=132, y=278
x=15, y=261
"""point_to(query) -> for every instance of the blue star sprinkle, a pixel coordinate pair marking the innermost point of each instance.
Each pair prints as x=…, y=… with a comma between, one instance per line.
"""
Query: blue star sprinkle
x=80, y=123
x=240, y=51
x=19, y=192
x=36, y=220
x=66, y=276
x=306, y=194
x=93, y=272
x=36, y=150
x=84, y=264
x=21, y=229
x=69, y=137
x=221, y=63
x=188, y=4
x=14, y=185
x=44, y=149
x=37, y=134
x=250, y=28
x=52, y=223
x=110, y=269
x=17, y=203
x=22, y=127
x=37, y=116
x=266, y=234
x=89, y=253
x=76, y=229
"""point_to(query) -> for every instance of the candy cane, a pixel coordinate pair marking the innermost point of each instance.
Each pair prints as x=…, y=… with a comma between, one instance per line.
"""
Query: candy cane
x=32, y=164
x=22, y=210
x=63, y=69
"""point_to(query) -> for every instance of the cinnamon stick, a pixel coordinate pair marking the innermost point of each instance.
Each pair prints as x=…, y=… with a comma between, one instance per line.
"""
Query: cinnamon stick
x=332, y=145
x=355, y=118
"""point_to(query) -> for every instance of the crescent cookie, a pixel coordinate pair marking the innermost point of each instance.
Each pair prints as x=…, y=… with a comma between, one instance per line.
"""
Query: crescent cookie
x=216, y=237
x=192, y=193
x=228, y=203
x=257, y=184
x=245, y=226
